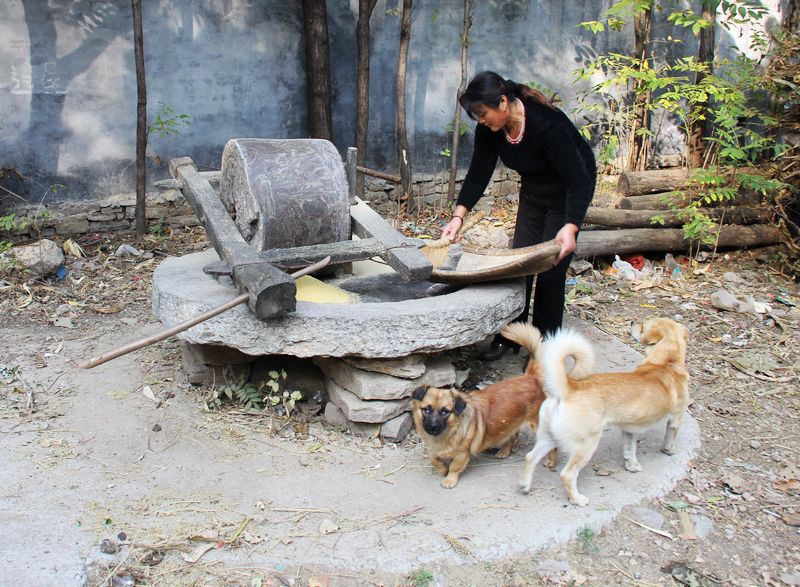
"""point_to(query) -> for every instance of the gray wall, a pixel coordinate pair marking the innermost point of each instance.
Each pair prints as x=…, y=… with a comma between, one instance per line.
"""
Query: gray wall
x=68, y=87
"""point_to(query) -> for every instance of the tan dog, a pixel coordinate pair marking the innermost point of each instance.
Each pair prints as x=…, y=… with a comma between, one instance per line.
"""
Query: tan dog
x=579, y=405
x=455, y=426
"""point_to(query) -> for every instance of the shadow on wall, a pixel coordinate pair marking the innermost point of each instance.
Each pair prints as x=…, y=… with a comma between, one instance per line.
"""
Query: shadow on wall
x=50, y=75
x=76, y=114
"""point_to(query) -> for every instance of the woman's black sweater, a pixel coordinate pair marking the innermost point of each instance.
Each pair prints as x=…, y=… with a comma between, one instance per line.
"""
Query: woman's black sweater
x=556, y=164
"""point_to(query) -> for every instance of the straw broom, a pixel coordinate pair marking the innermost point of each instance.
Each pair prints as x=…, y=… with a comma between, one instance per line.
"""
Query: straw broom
x=436, y=251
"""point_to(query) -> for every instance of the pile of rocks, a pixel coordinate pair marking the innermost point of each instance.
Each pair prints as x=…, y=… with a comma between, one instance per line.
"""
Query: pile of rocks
x=373, y=396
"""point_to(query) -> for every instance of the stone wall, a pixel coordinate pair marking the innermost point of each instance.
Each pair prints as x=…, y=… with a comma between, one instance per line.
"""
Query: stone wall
x=169, y=208
x=113, y=213
x=430, y=189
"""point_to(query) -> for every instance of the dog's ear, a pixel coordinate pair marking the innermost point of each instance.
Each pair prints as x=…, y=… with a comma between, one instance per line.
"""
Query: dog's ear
x=652, y=332
x=459, y=404
x=419, y=393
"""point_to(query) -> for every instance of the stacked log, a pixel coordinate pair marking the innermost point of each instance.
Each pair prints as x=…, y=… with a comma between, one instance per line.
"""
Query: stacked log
x=637, y=183
x=656, y=194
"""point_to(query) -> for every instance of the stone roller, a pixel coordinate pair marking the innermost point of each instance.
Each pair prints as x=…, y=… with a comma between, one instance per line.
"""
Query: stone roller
x=285, y=193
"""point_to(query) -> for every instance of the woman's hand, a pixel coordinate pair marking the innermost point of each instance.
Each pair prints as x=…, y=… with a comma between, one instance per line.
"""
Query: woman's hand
x=451, y=230
x=566, y=238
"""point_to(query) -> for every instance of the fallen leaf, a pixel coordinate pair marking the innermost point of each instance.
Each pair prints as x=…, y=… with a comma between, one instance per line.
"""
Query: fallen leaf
x=107, y=309
x=26, y=302
x=601, y=470
x=153, y=558
x=63, y=322
x=735, y=483
x=691, y=498
x=252, y=538
x=791, y=519
x=328, y=527
x=637, y=285
x=789, y=472
x=197, y=553
x=786, y=484
x=687, y=527
x=73, y=249
x=318, y=582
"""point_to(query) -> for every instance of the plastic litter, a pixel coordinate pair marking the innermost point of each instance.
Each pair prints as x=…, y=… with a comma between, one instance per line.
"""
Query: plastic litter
x=625, y=269
x=61, y=272
x=126, y=249
x=638, y=262
x=673, y=268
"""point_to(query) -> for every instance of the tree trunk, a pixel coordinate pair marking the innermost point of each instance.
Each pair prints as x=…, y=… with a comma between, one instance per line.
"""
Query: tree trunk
x=451, y=186
x=701, y=127
x=667, y=200
x=141, y=119
x=639, y=240
x=632, y=183
x=365, y=8
x=639, y=152
x=403, y=150
x=643, y=218
x=659, y=201
x=318, y=69
x=791, y=18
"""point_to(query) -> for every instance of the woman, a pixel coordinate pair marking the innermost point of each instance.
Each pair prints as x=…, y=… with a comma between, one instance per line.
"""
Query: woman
x=557, y=166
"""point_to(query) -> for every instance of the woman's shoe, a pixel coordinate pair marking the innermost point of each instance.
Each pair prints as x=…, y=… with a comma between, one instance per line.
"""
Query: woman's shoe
x=497, y=350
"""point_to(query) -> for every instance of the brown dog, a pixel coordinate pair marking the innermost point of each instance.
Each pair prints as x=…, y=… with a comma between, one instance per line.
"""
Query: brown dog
x=455, y=426
x=579, y=405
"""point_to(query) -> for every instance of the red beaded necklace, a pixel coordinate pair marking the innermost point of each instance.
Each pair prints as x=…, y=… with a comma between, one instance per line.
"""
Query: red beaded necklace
x=521, y=130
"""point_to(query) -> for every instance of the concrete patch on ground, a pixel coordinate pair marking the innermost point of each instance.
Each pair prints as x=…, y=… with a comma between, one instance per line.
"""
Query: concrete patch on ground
x=372, y=506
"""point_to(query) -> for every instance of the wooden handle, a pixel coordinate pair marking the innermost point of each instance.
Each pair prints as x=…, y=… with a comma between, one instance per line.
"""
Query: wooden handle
x=465, y=226
x=186, y=324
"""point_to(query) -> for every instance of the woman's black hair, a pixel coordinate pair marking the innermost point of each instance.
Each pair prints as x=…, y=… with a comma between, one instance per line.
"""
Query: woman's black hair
x=487, y=88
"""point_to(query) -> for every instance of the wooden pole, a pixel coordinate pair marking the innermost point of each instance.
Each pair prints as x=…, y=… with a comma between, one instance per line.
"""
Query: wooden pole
x=365, y=8
x=378, y=174
x=451, y=184
x=141, y=119
x=318, y=69
x=700, y=127
x=403, y=149
x=186, y=324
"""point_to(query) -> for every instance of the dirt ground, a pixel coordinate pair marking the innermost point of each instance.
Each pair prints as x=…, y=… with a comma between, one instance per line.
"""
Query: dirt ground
x=734, y=519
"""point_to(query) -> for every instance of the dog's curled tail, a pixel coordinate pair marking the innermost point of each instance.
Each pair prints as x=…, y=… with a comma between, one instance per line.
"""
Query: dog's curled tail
x=525, y=335
x=554, y=352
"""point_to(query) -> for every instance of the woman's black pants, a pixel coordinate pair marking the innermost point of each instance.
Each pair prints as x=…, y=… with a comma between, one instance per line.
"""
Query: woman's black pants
x=537, y=223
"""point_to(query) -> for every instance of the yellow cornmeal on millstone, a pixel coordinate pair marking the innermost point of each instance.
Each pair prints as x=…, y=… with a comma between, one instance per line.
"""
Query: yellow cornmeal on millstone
x=311, y=289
